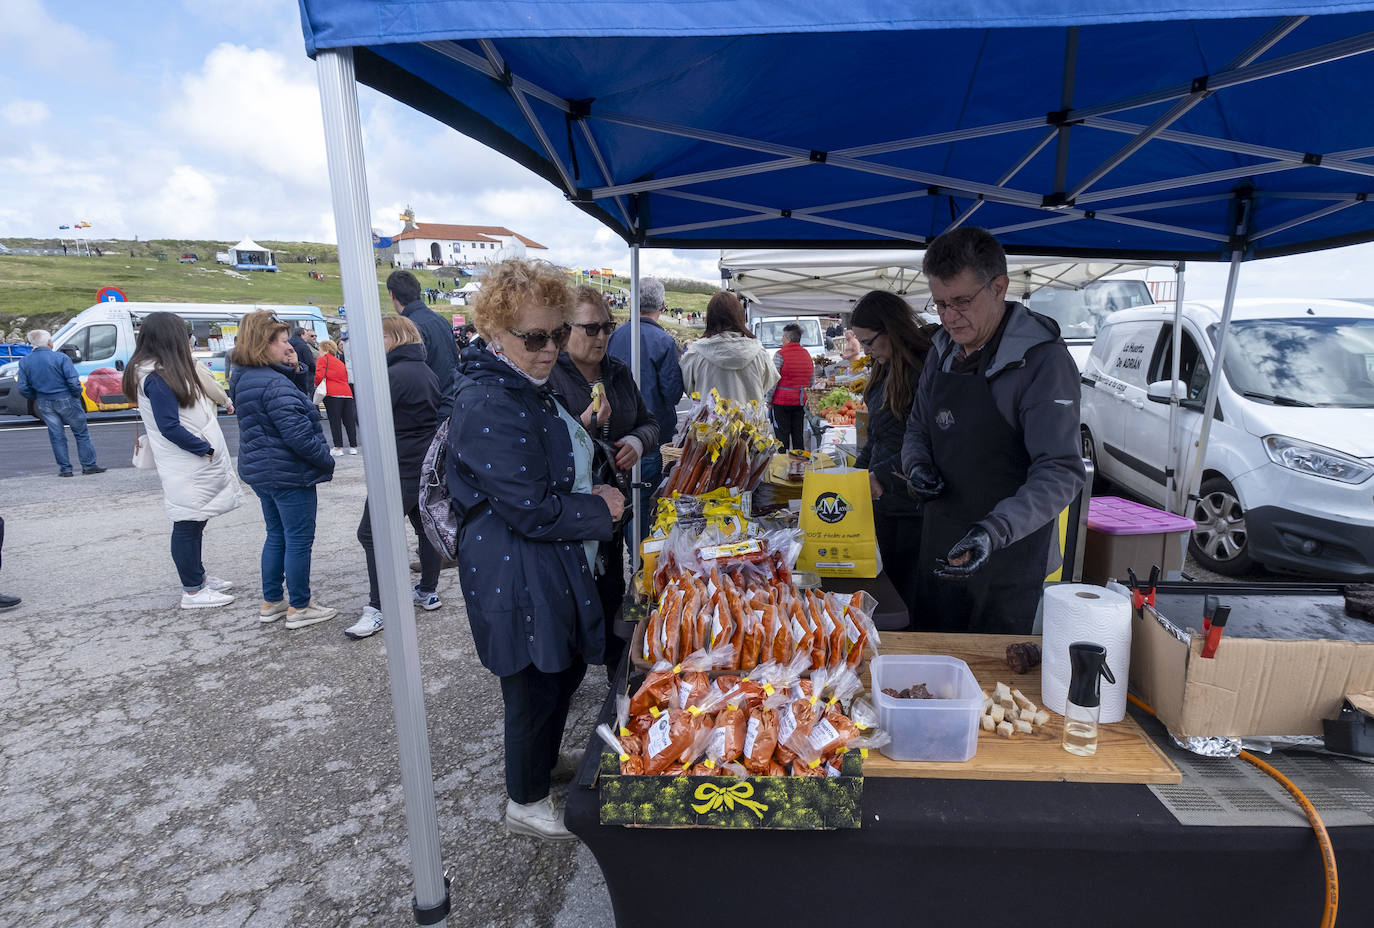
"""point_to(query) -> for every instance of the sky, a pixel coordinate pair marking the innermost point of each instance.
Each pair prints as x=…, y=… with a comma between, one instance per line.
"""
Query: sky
x=117, y=114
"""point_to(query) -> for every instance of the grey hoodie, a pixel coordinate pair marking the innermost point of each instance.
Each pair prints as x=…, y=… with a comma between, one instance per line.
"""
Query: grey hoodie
x=737, y=366
x=1035, y=385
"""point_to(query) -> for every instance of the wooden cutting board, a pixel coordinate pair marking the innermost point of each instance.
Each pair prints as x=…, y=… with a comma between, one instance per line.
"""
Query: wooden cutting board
x=1125, y=754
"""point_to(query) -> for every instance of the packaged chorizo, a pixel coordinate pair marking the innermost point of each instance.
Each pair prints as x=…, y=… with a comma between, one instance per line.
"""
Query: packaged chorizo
x=668, y=736
x=630, y=764
x=656, y=690
x=761, y=735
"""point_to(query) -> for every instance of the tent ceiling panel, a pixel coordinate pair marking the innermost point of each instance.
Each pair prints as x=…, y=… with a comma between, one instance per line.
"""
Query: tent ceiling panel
x=884, y=123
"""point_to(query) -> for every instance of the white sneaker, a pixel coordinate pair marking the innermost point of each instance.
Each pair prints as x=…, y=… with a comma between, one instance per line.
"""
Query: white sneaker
x=369, y=624
x=270, y=612
x=537, y=820
x=218, y=585
x=352, y=450
x=312, y=614
x=205, y=599
x=336, y=452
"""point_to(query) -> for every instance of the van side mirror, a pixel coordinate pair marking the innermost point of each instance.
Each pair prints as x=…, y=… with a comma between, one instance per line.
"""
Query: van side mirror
x=1158, y=392
x=72, y=352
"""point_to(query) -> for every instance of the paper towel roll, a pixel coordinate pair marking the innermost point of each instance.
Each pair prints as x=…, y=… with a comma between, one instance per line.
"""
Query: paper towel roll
x=1083, y=612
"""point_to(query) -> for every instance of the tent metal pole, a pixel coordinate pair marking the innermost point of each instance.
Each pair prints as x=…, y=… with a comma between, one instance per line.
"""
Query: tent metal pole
x=1309, y=217
x=636, y=359
x=1173, y=495
x=1214, y=381
x=1061, y=158
x=348, y=186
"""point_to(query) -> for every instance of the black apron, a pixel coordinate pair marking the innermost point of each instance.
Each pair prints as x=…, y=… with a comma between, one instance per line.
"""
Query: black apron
x=983, y=460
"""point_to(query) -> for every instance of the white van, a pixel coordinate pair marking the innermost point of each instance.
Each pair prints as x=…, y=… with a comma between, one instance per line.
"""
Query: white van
x=1289, y=475
x=101, y=339
x=1080, y=311
x=769, y=330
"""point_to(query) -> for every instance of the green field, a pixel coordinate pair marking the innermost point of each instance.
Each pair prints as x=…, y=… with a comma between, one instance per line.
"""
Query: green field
x=46, y=291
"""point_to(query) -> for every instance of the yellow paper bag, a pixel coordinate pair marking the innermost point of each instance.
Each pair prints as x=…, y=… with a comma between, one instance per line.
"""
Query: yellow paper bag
x=837, y=522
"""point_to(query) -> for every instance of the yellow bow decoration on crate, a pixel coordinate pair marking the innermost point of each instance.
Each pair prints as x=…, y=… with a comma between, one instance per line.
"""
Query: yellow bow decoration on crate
x=714, y=797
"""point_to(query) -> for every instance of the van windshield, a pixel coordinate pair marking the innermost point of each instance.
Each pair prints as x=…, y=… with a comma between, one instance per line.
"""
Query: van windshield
x=770, y=332
x=1080, y=312
x=1319, y=362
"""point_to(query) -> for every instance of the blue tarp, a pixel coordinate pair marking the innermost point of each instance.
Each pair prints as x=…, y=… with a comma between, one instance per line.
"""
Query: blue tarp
x=770, y=124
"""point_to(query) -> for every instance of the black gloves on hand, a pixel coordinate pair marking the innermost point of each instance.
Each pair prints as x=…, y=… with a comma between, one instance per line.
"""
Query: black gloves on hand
x=924, y=482
x=977, y=545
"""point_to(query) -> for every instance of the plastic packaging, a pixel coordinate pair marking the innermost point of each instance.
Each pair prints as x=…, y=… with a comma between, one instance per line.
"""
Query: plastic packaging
x=941, y=729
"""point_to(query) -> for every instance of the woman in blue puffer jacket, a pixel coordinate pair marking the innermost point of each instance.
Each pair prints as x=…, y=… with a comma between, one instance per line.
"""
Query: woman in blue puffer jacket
x=282, y=456
x=530, y=518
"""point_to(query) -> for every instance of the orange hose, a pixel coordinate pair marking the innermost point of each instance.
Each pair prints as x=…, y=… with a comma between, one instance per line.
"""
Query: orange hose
x=1313, y=817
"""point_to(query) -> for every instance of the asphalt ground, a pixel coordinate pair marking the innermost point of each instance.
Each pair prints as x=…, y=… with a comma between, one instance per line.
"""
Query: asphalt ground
x=163, y=767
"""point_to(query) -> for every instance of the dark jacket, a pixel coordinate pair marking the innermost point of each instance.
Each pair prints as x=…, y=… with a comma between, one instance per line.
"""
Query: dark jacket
x=629, y=415
x=48, y=373
x=305, y=377
x=881, y=454
x=441, y=351
x=414, y=409
x=660, y=375
x=1035, y=385
x=529, y=591
x=280, y=442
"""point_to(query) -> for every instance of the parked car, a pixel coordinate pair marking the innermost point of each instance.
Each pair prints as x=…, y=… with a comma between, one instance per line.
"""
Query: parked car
x=1288, y=480
x=189, y=258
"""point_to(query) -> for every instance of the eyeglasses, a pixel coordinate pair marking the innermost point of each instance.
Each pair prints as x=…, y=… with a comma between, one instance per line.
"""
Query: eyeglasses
x=867, y=343
x=958, y=304
x=536, y=340
x=593, y=329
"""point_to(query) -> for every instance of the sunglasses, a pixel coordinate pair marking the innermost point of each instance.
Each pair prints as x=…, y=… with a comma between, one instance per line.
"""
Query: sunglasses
x=536, y=340
x=593, y=329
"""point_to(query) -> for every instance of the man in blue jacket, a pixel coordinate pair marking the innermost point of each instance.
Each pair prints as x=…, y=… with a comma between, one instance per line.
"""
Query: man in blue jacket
x=660, y=381
x=49, y=378
x=441, y=350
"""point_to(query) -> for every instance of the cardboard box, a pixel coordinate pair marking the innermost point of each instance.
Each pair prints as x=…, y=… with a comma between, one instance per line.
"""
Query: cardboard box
x=780, y=803
x=1253, y=687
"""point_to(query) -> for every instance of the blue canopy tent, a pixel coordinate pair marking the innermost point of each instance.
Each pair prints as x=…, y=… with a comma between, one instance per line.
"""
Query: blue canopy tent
x=1134, y=129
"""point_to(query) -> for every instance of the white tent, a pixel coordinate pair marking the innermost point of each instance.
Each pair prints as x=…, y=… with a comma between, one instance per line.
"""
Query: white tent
x=248, y=255
x=830, y=282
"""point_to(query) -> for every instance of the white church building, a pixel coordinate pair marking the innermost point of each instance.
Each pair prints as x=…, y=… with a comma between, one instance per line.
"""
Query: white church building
x=434, y=243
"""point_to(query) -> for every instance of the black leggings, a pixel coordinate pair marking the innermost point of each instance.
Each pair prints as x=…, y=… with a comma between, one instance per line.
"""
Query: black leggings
x=536, y=711
x=342, y=410
x=789, y=424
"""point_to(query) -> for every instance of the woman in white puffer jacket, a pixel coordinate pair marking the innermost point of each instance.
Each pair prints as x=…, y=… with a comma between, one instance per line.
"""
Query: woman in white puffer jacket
x=177, y=400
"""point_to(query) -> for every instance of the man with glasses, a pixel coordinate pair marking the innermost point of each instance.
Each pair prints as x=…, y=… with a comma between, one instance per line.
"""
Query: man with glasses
x=441, y=351
x=991, y=445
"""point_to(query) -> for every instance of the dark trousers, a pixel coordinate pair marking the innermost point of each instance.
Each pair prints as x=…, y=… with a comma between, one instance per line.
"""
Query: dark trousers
x=899, y=541
x=2, y=535
x=536, y=710
x=342, y=410
x=789, y=425
x=610, y=588
x=187, y=536
x=429, y=555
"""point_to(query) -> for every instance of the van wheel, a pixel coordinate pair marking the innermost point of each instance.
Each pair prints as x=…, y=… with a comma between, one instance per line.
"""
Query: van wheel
x=1220, y=541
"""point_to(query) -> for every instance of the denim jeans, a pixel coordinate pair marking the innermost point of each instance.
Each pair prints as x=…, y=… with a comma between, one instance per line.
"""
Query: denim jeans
x=57, y=411
x=186, y=546
x=290, y=516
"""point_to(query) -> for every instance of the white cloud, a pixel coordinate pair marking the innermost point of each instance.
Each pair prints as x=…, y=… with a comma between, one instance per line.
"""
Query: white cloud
x=30, y=35
x=257, y=109
x=25, y=112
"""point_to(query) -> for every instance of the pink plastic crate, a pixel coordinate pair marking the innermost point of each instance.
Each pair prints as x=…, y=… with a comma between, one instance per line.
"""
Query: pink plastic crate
x=1113, y=515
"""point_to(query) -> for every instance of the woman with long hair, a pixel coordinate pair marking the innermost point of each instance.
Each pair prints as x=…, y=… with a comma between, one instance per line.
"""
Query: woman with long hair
x=177, y=400
x=531, y=518
x=339, y=404
x=887, y=329
x=415, y=417
x=728, y=358
x=282, y=456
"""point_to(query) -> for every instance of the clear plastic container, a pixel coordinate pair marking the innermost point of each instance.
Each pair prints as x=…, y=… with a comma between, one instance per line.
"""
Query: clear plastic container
x=941, y=729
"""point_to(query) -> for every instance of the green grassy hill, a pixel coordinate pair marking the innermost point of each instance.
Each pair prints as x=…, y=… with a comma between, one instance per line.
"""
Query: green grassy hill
x=45, y=291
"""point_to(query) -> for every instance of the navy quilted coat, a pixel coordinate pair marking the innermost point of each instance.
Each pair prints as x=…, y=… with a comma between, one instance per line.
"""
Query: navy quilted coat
x=529, y=593
x=280, y=442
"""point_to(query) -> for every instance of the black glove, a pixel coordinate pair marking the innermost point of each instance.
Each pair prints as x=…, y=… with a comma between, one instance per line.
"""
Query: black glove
x=924, y=482
x=977, y=544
